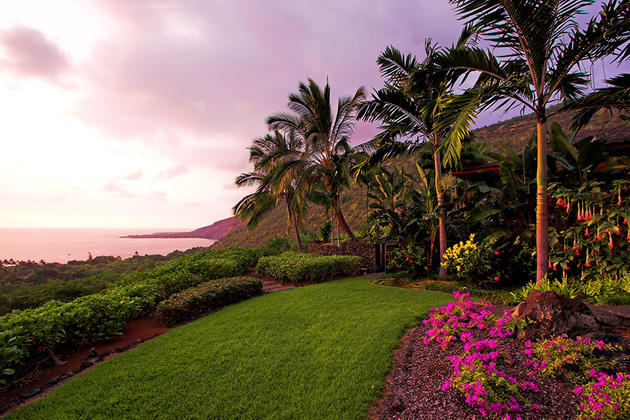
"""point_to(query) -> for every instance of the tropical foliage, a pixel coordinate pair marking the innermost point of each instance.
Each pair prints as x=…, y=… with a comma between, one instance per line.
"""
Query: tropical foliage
x=541, y=48
x=411, y=107
x=327, y=157
x=275, y=181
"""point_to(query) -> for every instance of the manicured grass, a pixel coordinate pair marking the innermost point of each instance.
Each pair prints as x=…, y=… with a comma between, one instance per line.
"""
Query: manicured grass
x=310, y=353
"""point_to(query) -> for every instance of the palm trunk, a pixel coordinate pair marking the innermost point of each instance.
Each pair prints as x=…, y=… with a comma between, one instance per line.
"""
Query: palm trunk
x=332, y=227
x=542, y=217
x=441, y=210
x=342, y=221
x=297, y=232
x=431, y=249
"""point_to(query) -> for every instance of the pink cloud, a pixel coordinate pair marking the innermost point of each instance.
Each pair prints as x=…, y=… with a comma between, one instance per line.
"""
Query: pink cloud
x=157, y=195
x=133, y=175
x=173, y=172
x=29, y=53
x=113, y=187
x=208, y=68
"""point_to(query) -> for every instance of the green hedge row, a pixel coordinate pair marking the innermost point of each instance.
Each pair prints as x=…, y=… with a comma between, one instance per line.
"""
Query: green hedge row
x=57, y=326
x=296, y=267
x=243, y=257
x=207, y=296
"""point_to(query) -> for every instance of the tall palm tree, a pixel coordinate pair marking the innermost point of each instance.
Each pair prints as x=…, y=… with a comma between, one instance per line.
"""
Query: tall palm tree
x=541, y=48
x=412, y=106
x=275, y=183
x=326, y=138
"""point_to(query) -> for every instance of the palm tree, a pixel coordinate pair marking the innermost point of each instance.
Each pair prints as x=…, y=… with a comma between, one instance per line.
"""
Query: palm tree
x=412, y=106
x=542, y=47
x=326, y=137
x=274, y=181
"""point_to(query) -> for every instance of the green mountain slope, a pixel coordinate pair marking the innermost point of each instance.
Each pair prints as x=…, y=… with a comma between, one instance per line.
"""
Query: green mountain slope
x=513, y=133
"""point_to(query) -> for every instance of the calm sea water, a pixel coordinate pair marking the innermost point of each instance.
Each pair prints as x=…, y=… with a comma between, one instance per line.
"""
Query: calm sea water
x=63, y=245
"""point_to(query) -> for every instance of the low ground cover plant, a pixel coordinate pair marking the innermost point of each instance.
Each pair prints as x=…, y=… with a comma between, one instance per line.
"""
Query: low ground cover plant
x=207, y=296
x=294, y=267
x=57, y=326
x=481, y=375
x=605, y=289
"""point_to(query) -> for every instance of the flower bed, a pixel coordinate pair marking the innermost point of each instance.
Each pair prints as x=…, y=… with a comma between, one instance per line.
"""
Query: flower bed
x=296, y=267
x=207, y=296
x=58, y=326
x=502, y=381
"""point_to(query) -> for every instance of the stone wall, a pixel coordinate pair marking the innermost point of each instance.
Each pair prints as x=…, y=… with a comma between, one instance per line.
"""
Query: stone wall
x=365, y=250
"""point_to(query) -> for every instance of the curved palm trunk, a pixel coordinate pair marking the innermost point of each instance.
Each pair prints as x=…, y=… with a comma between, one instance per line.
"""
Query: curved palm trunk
x=441, y=210
x=542, y=217
x=342, y=221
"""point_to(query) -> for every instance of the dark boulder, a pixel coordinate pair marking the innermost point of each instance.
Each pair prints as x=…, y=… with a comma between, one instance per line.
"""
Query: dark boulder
x=555, y=315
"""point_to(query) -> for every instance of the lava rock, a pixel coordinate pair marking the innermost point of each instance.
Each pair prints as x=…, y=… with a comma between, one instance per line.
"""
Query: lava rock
x=31, y=393
x=555, y=315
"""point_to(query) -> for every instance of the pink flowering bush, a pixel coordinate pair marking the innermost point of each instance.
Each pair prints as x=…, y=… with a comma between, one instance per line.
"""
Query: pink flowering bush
x=484, y=385
x=608, y=397
x=480, y=372
x=563, y=356
x=458, y=319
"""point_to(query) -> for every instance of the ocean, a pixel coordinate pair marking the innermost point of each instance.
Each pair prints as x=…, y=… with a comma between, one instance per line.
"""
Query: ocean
x=63, y=245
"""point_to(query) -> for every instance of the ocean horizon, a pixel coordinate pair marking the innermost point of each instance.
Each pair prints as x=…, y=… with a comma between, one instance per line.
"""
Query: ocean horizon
x=65, y=244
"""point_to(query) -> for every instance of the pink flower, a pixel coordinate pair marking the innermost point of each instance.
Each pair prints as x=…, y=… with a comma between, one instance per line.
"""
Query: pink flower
x=496, y=252
x=496, y=278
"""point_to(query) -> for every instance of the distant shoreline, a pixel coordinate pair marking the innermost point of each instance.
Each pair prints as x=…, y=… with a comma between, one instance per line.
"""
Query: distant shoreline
x=215, y=231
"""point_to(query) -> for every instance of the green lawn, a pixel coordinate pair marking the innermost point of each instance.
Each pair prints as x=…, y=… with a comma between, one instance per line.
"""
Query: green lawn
x=307, y=353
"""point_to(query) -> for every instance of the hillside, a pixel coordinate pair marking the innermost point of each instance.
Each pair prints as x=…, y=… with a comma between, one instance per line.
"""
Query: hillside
x=513, y=133
x=353, y=205
x=217, y=230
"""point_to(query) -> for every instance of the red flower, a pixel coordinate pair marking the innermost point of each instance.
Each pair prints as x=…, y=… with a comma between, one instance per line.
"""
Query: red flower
x=496, y=252
x=496, y=278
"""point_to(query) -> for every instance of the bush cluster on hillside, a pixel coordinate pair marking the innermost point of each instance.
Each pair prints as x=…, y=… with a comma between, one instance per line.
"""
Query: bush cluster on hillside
x=296, y=267
x=207, y=296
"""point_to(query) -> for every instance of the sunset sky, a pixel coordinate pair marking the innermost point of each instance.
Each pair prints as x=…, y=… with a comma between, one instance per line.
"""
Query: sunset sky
x=138, y=113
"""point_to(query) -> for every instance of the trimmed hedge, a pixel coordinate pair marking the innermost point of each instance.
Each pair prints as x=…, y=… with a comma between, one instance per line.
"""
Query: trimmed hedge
x=243, y=257
x=59, y=326
x=207, y=296
x=296, y=267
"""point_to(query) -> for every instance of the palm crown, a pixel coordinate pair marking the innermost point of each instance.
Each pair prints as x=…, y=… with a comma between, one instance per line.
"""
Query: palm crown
x=326, y=138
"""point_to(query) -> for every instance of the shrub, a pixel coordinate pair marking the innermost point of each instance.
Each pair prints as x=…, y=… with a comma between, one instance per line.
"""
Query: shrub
x=325, y=231
x=277, y=245
x=606, y=398
x=296, y=267
x=470, y=261
x=207, y=296
x=592, y=234
x=409, y=258
x=563, y=356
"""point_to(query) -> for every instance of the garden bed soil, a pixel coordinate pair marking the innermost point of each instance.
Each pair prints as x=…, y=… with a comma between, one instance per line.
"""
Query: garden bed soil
x=413, y=388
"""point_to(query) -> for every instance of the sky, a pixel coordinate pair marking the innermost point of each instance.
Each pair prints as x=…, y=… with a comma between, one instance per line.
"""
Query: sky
x=137, y=114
